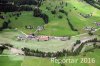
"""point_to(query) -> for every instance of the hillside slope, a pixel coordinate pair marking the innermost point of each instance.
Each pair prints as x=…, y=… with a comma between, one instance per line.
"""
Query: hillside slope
x=65, y=18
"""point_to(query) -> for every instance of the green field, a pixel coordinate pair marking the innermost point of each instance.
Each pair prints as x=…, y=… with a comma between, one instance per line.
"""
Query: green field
x=10, y=60
x=34, y=61
x=56, y=26
x=95, y=54
x=78, y=21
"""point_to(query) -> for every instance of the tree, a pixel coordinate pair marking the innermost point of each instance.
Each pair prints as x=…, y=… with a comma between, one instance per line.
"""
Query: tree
x=53, y=11
x=5, y=25
x=9, y=21
x=45, y=18
x=1, y=49
x=90, y=33
x=78, y=42
x=60, y=16
x=94, y=44
x=36, y=12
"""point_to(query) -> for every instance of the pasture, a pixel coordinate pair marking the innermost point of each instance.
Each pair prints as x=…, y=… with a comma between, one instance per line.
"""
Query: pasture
x=95, y=54
x=77, y=12
x=35, y=61
x=10, y=60
x=56, y=26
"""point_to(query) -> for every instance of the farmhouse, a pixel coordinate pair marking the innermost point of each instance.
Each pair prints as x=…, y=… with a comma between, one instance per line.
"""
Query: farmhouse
x=29, y=27
x=21, y=37
x=43, y=38
x=89, y=28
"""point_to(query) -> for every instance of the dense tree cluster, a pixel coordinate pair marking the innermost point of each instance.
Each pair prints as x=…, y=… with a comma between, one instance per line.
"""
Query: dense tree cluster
x=1, y=16
x=94, y=3
x=45, y=18
x=16, y=5
x=30, y=2
x=1, y=49
x=4, y=1
x=8, y=8
x=23, y=2
x=12, y=8
x=77, y=42
x=38, y=13
x=4, y=25
x=25, y=8
x=77, y=51
x=37, y=53
x=4, y=46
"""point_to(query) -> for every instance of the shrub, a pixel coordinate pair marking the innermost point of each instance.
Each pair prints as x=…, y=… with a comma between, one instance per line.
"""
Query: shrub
x=60, y=17
x=78, y=42
x=53, y=12
x=25, y=8
x=62, y=11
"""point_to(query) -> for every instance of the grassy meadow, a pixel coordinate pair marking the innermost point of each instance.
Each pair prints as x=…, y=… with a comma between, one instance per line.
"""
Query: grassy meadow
x=57, y=26
x=10, y=61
